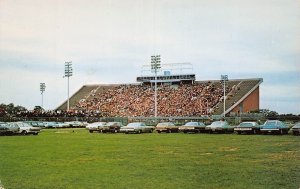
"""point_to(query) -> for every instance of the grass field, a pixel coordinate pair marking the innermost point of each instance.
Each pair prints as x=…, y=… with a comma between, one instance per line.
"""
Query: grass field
x=66, y=159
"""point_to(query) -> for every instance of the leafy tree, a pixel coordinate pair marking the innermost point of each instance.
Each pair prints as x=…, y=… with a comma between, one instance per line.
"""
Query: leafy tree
x=38, y=109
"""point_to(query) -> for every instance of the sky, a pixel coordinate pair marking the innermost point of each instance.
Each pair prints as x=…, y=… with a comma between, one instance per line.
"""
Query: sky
x=108, y=42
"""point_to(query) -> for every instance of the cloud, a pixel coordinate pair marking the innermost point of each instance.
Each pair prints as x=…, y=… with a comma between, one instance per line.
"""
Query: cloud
x=109, y=41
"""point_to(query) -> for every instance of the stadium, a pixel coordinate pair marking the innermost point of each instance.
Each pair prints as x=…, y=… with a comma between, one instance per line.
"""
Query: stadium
x=178, y=95
x=79, y=110
x=207, y=124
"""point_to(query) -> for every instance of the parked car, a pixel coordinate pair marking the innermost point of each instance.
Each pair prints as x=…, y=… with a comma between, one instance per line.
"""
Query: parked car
x=296, y=129
x=247, y=127
x=25, y=129
x=36, y=123
x=167, y=127
x=274, y=126
x=192, y=127
x=137, y=127
x=95, y=127
x=77, y=124
x=12, y=128
x=3, y=128
x=113, y=127
x=52, y=124
x=219, y=127
x=62, y=125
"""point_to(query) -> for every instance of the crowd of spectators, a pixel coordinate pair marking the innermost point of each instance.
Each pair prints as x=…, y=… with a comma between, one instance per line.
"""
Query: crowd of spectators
x=58, y=113
x=51, y=113
x=138, y=100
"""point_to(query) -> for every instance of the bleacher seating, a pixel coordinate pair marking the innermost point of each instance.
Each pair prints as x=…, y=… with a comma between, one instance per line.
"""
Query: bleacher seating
x=200, y=98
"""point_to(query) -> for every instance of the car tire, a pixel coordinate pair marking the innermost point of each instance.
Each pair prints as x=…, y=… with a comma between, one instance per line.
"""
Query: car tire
x=35, y=133
x=158, y=131
x=91, y=131
x=281, y=132
x=24, y=132
x=115, y=131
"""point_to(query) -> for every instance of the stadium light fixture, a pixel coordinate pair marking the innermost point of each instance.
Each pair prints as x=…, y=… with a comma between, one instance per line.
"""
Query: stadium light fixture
x=68, y=74
x=42, y=89
x=155, y=66
x=224, y=79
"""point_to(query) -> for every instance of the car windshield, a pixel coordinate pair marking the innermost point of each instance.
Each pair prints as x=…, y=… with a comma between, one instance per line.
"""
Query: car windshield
x=191, y=124
x=25, y=125
x=136, y=124
x=12, y=125
x=246, y=124
x=98, y=124
x=270, y=123
x=165, y=124
x=112, y=124
x=218, y=123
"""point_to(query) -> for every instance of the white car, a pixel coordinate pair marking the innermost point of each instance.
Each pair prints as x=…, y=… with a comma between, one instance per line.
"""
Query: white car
x=9, y=128
x=13, y=128
x=62, y=125
x=137, y=127
x=96, y=126
x=56, y=124
x=25, y=129
x=77, y=124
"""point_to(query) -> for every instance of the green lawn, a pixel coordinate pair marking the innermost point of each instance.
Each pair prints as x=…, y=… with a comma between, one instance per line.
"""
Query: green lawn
x=66, y=159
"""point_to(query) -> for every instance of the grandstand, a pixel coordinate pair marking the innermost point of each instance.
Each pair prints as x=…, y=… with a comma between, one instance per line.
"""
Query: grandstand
x=177, y=96
x=84, y=93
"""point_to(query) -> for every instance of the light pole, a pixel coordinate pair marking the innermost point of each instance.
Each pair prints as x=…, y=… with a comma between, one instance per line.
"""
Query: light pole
x=42, y=89
x=224, y=78
x=68, y=74
x=155, y=66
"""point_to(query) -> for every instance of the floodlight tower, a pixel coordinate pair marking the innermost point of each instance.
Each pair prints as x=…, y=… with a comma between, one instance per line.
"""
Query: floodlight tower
x=68, y=74
x=224, y=79
x=155, y=66
x=42, y=89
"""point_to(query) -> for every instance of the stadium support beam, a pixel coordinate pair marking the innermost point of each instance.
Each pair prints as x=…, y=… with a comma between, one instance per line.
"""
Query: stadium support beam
x=155, y=66
x=42, y=89
x=224, y=79
x=68, y=74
